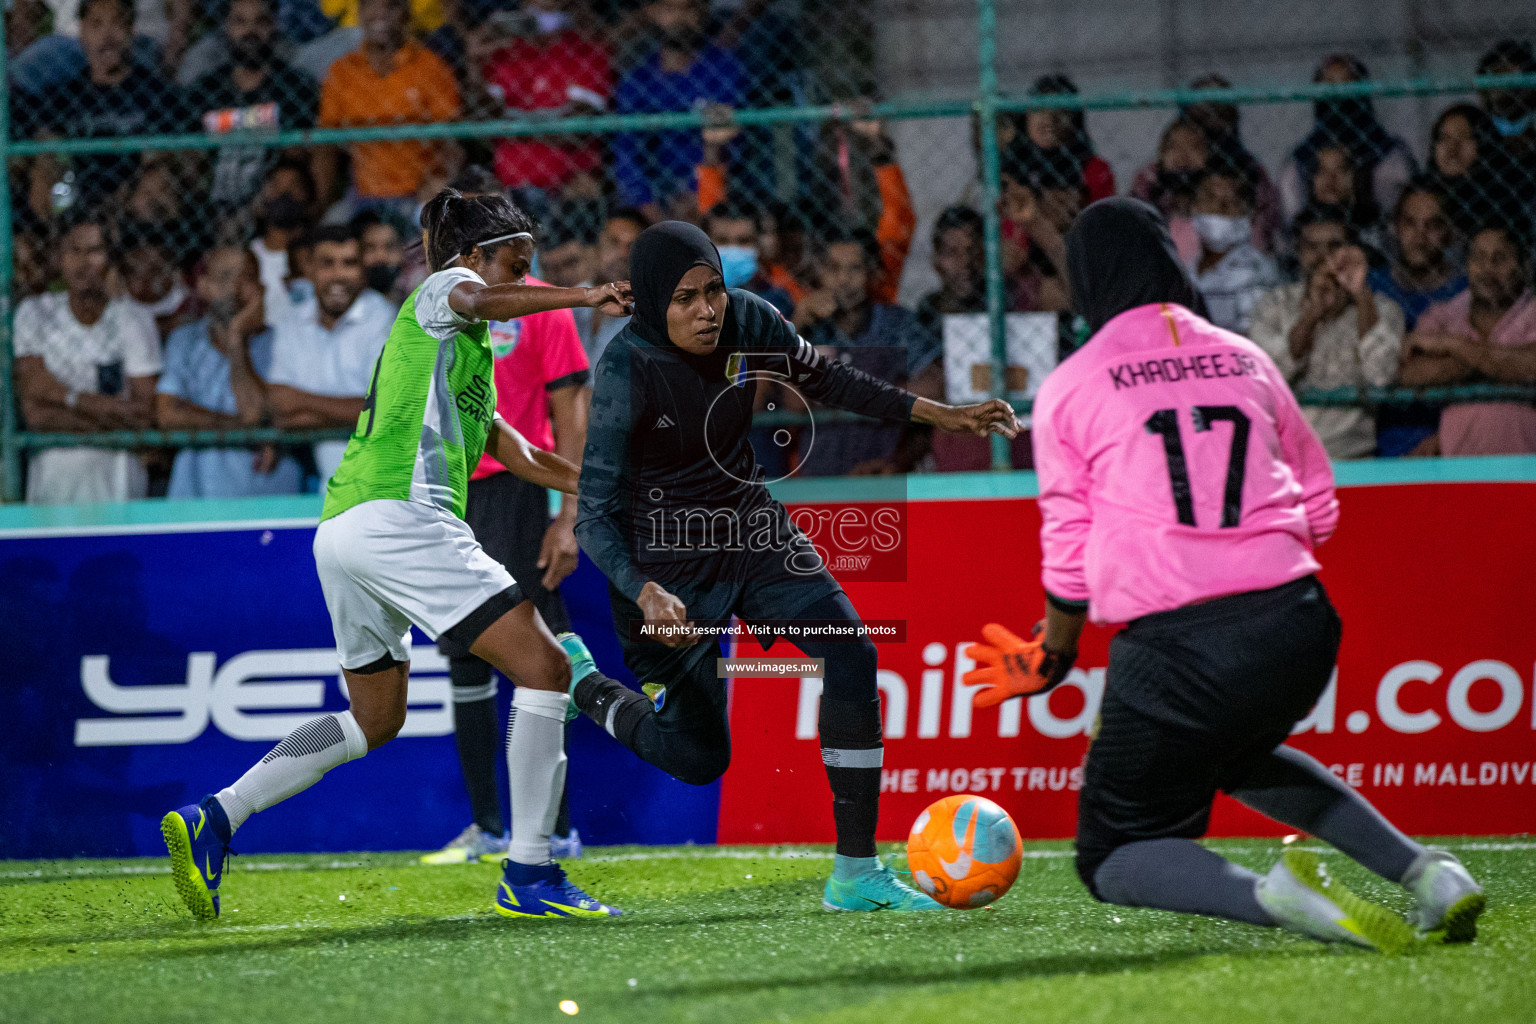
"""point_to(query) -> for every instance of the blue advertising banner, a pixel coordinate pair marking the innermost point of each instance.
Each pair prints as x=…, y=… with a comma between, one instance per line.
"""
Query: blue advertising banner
x=145, y=666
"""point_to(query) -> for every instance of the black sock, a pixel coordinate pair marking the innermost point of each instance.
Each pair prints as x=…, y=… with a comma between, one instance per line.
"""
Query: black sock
x=475, y=734
x=614, y=706
x=852, y=750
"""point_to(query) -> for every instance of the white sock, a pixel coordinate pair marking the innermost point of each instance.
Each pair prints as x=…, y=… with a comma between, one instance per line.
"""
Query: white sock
x=535, y=770
x=294, y=765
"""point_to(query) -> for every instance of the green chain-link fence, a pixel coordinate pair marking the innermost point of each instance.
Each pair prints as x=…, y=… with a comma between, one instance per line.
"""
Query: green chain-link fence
x=941, y=144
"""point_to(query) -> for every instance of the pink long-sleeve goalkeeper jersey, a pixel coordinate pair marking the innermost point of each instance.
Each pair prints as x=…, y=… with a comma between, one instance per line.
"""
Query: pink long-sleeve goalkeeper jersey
x=1175, y=467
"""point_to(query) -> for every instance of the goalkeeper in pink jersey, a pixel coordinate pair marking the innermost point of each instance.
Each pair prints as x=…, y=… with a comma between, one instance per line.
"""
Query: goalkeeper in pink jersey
x=1182, y=492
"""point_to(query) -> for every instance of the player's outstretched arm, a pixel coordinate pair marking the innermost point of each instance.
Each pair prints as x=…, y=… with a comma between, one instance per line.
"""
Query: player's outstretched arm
x=991, y=417
x=522, y=459
x=509, y=301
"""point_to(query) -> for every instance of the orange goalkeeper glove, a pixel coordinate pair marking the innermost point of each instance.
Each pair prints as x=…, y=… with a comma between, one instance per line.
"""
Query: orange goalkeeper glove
x=1013, y=666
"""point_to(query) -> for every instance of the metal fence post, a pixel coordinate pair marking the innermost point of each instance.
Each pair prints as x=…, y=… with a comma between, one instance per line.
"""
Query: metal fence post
x=991, y=191
x=10, y=452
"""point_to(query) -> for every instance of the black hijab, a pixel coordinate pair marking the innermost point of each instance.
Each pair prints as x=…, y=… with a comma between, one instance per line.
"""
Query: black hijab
x=1119, y=256
x=657, y=261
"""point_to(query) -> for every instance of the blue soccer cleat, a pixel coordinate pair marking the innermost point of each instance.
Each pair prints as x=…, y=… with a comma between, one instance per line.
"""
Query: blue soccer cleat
x=878, y=889
x=551, y=895
x=582, y=666
x=198, y=855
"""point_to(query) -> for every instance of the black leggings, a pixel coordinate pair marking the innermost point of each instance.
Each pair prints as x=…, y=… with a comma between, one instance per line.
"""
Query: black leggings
x=689, y=738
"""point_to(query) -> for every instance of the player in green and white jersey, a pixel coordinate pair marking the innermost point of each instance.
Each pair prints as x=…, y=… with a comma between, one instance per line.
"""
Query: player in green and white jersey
x=392, y=549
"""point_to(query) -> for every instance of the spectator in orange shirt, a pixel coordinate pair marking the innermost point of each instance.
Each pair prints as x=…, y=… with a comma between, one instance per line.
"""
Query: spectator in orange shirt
x=894, y=219
x=391, y=80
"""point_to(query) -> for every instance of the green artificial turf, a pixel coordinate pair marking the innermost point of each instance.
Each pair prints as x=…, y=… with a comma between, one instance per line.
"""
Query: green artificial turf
x=714, y=935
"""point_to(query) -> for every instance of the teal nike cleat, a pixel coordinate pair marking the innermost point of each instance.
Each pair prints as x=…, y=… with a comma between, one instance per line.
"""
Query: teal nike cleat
x=582, y=666
x=879, y=889
x=198, y=856
x=544, y=891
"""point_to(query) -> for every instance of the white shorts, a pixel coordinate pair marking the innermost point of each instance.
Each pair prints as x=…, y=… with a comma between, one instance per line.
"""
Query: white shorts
x=386, y=564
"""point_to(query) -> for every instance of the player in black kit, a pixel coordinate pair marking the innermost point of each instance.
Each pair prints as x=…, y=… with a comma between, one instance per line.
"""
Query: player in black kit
x=675, y=511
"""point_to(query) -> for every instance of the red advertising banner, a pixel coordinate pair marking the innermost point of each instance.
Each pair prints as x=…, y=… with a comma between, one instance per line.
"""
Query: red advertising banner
x=1432, y=713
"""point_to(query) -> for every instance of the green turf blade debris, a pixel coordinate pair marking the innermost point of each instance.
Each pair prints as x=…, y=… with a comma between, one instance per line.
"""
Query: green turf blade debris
x=718, y=934
x=1461, y=920
x=189, y=884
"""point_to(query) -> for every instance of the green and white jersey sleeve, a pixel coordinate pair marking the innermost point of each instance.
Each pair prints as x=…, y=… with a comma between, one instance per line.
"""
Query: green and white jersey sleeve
x=428, y=409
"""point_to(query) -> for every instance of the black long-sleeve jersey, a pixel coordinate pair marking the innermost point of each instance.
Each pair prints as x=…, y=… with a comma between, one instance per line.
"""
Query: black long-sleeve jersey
x=668, y=478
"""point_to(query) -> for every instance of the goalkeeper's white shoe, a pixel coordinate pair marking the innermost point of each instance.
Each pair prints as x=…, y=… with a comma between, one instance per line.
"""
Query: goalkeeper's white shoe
x=1302, y=897
x=468, y=847
x=1447, y=900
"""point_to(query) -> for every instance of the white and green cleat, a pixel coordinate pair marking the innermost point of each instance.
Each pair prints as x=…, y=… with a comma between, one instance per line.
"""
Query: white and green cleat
x=468, y=847
x=876, y=889
x=1302, y=897
x=1448, y=901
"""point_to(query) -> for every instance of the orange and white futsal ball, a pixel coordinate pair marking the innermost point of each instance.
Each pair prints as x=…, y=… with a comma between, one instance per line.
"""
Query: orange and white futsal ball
x=964, y=851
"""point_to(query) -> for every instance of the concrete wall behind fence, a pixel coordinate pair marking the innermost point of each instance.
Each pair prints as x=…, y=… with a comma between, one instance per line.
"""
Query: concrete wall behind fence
x=929, y=48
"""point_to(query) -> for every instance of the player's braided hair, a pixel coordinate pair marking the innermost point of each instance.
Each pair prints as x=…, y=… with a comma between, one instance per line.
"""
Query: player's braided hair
x=455, y=223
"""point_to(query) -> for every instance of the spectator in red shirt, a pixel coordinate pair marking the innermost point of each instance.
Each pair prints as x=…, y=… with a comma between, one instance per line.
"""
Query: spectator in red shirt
x=1218, y=123
x=556, y=71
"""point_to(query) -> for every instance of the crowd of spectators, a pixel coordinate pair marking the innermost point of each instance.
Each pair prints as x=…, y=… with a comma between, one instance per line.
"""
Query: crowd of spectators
x=253, y=285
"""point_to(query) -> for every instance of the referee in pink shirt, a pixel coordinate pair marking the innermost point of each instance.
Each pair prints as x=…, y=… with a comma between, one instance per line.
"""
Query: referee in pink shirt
x=1183, y=493
x=541, y=389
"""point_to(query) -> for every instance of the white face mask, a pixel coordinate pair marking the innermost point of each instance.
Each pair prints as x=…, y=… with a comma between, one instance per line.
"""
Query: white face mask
x=1222, y=234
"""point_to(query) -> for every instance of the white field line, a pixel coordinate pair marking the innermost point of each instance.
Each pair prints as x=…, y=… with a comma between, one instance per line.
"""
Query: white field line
x=698, y=853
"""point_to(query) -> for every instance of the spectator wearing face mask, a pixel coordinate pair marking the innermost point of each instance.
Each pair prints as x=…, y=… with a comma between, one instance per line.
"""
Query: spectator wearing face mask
x=1221, y=123
x=1168, y=183
x=1382, y=160
x=1487, y=333
x=568, y=258
x=151, y=279
x=214, y=380
x=733, y=226
x=1230, y=273
x=870, y=186
x=383, y=246
x=1512, y=113
x=283, y=208
x=1330, y=330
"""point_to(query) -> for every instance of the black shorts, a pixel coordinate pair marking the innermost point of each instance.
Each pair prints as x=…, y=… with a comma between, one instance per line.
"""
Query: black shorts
x=755, y=587
x=1193, y=697
x=509, y=516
